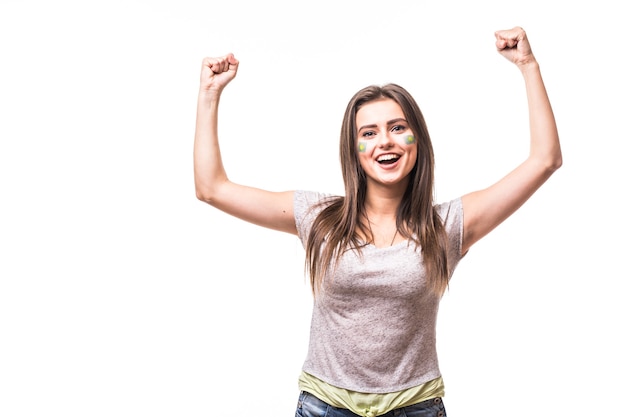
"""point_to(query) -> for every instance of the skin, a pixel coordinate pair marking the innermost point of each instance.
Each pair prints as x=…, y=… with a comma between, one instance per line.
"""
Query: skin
x=483, y=209
x=382, y=126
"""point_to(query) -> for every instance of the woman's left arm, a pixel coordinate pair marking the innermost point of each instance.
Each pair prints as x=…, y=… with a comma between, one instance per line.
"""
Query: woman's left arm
x=485, y=209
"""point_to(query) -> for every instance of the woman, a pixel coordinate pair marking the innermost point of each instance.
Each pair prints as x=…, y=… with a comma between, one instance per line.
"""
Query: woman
x=381, y=256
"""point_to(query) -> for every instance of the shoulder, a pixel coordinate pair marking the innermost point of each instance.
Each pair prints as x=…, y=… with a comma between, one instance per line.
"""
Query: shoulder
x=451, y=215
x=307, y=205
x=449, y=210
x=304, y=200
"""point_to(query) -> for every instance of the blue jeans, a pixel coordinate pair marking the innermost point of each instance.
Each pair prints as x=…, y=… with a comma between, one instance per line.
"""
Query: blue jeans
x=311, y=406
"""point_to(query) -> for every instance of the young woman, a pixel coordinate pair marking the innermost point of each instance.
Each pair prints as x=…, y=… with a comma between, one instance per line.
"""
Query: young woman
x=380, y=256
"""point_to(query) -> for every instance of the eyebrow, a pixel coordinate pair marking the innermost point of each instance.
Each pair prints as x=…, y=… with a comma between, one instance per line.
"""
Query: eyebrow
x=389, y=123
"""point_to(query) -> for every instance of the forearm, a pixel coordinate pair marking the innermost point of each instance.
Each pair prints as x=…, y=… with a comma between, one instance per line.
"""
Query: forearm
x=544, y=138
x=209, y=171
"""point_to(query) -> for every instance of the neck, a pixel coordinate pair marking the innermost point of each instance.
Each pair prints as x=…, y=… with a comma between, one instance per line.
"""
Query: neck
x=380, y=220
x=380, y=207
x=383, y=199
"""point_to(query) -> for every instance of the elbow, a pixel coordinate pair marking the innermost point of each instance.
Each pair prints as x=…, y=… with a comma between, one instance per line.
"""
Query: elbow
x=553, y=165
x=545, y=166
x=548, y=161
x=210, y=191
x=550, y=167
x=204, y=193
x=202, y=196
x=205, y=196
x=556, y=162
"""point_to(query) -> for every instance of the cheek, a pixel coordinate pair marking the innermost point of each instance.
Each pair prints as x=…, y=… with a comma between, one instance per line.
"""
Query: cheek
x=414, y=156
x=363, y=157
x=410, y=140
x=362, y=147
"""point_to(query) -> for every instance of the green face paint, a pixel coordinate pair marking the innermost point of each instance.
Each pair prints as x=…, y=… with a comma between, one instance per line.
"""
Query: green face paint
x=362, y=146
x=409, y=139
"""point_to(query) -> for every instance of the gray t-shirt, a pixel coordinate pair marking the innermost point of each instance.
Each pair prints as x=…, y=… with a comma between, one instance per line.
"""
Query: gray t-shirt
x=373, y=326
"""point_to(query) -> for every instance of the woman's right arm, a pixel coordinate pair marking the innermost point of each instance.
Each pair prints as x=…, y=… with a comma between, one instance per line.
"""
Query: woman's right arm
x=273, y=210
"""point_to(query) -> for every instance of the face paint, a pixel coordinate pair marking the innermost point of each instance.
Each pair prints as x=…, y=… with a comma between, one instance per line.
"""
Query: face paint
x=362, y=146
x=409, y=139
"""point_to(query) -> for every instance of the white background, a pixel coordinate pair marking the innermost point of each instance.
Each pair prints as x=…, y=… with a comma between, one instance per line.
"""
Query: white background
x=123, y=295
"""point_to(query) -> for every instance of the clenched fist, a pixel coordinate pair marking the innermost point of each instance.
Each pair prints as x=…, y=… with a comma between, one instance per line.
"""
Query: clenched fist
x=217, y=72
x=514, y=46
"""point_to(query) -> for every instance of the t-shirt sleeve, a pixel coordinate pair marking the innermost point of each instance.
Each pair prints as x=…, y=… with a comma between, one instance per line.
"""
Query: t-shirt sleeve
x=306, y=207
x=451, y=214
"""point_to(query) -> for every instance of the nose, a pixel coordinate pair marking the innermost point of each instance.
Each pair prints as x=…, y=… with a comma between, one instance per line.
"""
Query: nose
x=385, y=140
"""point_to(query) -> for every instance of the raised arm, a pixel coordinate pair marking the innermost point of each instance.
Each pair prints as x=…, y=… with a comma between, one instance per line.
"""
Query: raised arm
x=264, y=208
x=487, y=208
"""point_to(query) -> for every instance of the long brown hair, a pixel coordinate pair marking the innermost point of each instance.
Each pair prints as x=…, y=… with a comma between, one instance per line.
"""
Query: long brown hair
x=334, y=230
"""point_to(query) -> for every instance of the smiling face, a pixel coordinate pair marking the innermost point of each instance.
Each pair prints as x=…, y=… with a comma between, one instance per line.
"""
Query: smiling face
x=386, y=145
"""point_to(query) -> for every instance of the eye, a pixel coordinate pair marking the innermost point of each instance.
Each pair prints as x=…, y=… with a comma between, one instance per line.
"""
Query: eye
x=398, y=128
x=368, y=134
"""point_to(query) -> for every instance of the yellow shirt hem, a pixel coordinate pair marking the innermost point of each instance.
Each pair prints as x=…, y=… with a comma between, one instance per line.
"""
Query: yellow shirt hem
x=368, y=404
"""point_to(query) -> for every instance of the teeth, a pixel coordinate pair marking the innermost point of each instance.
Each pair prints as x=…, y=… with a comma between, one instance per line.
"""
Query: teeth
x=387, y=157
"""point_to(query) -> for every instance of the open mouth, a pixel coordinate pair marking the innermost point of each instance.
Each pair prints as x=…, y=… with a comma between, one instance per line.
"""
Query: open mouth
x=387, y=159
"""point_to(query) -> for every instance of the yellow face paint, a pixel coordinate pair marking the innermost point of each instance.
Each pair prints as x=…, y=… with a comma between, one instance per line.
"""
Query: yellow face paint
x=362, y=146
x=409, y=139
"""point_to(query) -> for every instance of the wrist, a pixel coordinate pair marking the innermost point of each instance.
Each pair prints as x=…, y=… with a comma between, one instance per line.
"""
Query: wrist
x=529, y=66
x=209, y=96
